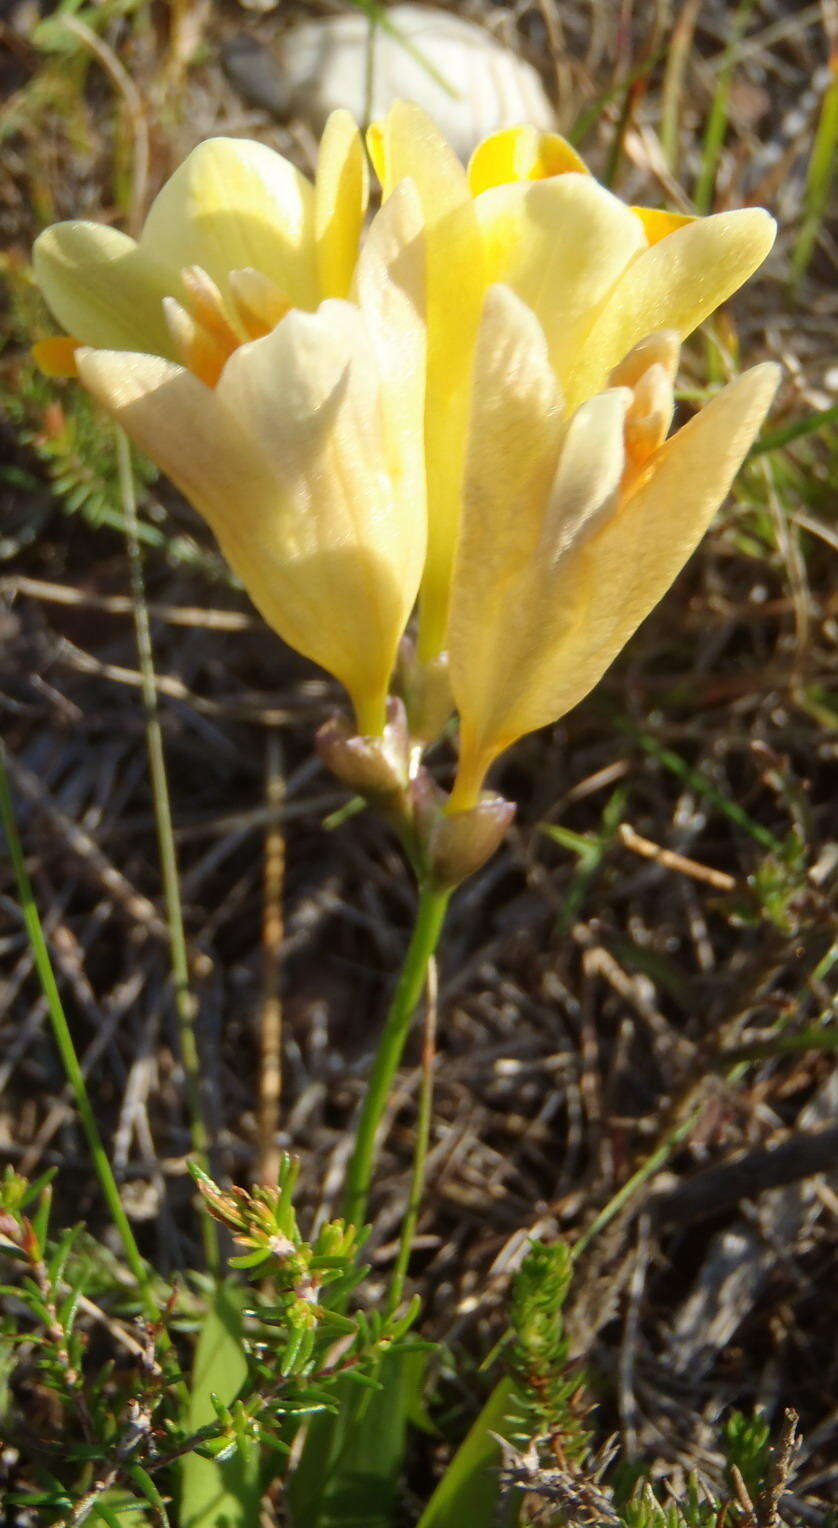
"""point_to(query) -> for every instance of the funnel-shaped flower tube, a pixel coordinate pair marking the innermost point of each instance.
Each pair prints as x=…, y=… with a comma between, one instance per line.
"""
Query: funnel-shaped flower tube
x=260, y=236
x=572, y=529
x=306, y=458
x=598, y=275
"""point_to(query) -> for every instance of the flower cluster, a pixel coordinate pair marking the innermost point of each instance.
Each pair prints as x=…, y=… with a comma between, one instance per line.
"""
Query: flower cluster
x=465, y=405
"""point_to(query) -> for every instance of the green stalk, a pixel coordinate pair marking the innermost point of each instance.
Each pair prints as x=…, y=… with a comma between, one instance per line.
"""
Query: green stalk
x=716, y=129
x=67, y=1050
x=430, y=916
x=818, y=180
x=420, y=1150
x=185, y=1005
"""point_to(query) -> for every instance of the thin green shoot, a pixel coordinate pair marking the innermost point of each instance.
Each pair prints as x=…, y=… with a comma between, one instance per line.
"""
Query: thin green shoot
x=716, y=129
x=67, y=1050
x=810, y=424
x=678, y=53
x=185, y=1004
x=818, y=180
x=705, y=787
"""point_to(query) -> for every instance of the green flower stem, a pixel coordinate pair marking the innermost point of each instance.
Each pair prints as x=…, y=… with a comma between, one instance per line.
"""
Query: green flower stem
x=420, y=1150
x=67, y=1050
x=430, y=916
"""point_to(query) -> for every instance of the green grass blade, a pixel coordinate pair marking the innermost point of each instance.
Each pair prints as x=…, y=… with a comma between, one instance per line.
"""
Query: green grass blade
x=699, y=782
x=214, y=1493
x=66, y=1048
x=809, y=425
x=467, y=1495
x=818, y=180
x=714, y=135
x=185, y=1005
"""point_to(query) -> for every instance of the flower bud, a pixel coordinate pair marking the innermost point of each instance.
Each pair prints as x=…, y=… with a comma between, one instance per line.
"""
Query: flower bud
x=374, y=767
x=425, y=687
x=456, y=844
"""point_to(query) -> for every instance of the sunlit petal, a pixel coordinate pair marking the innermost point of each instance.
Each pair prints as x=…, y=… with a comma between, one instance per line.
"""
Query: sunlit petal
x=341, y=193
x=103, y=288
x=673, y=285
x=350, y=529
x=589, y=472
x=580, y=614
x=561, y=244
x=407, y=145
x=521, y=153
x=235, y=203
x=515, y=435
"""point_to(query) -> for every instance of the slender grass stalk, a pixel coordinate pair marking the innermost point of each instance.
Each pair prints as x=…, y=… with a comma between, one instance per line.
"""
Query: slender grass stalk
x=818, y=179
x=630, y=96
x=647, y=1169
x=185, y=1006
x=67, y=1050
x=420, y=1150
x=430, y=916
x=814, y=1038
x=678, y=53
x=714, y=135
x=808, y=425
x=270, y=1017
x=590, y=115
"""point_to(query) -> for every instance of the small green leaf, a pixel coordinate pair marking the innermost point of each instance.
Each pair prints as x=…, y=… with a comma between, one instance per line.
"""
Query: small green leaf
x=217, y=1495
x=117, y=1509
x=468, y=1491
x=147, y=1489
x=350, y=1466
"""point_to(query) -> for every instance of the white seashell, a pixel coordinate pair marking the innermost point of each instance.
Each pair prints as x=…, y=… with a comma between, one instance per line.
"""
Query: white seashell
x=486, y=86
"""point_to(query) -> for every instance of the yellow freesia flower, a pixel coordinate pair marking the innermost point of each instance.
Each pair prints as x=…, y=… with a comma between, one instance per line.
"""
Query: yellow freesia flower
x=236, y=238
x=573, y=527
x=598, y=276
x=297, y=437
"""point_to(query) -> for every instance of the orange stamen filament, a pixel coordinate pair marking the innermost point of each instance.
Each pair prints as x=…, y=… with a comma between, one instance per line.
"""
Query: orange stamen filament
x=648, y=419
x=206, y=330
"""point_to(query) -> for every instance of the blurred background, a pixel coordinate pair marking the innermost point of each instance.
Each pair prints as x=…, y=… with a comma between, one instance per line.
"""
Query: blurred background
x=649, y=963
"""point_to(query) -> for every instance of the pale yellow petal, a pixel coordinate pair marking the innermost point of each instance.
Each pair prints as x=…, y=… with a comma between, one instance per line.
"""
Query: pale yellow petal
x=341, y=192
x=103, y=288
x=391, y=289
x=607, y=585
x=407, y=145
x=589, y=471
x=561, y=244
x=673, y=285
x=258, y=303
x=515, y=434
x=350, y=527
x=521, y=153
x=286, y=519
x=184, y=427
x=232, y=204
x=660, y=349
x=637, y=554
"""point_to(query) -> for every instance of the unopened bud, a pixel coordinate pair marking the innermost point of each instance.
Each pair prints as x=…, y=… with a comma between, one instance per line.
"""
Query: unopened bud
x=425, y=687
x=456, y=844
x=374, y=767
